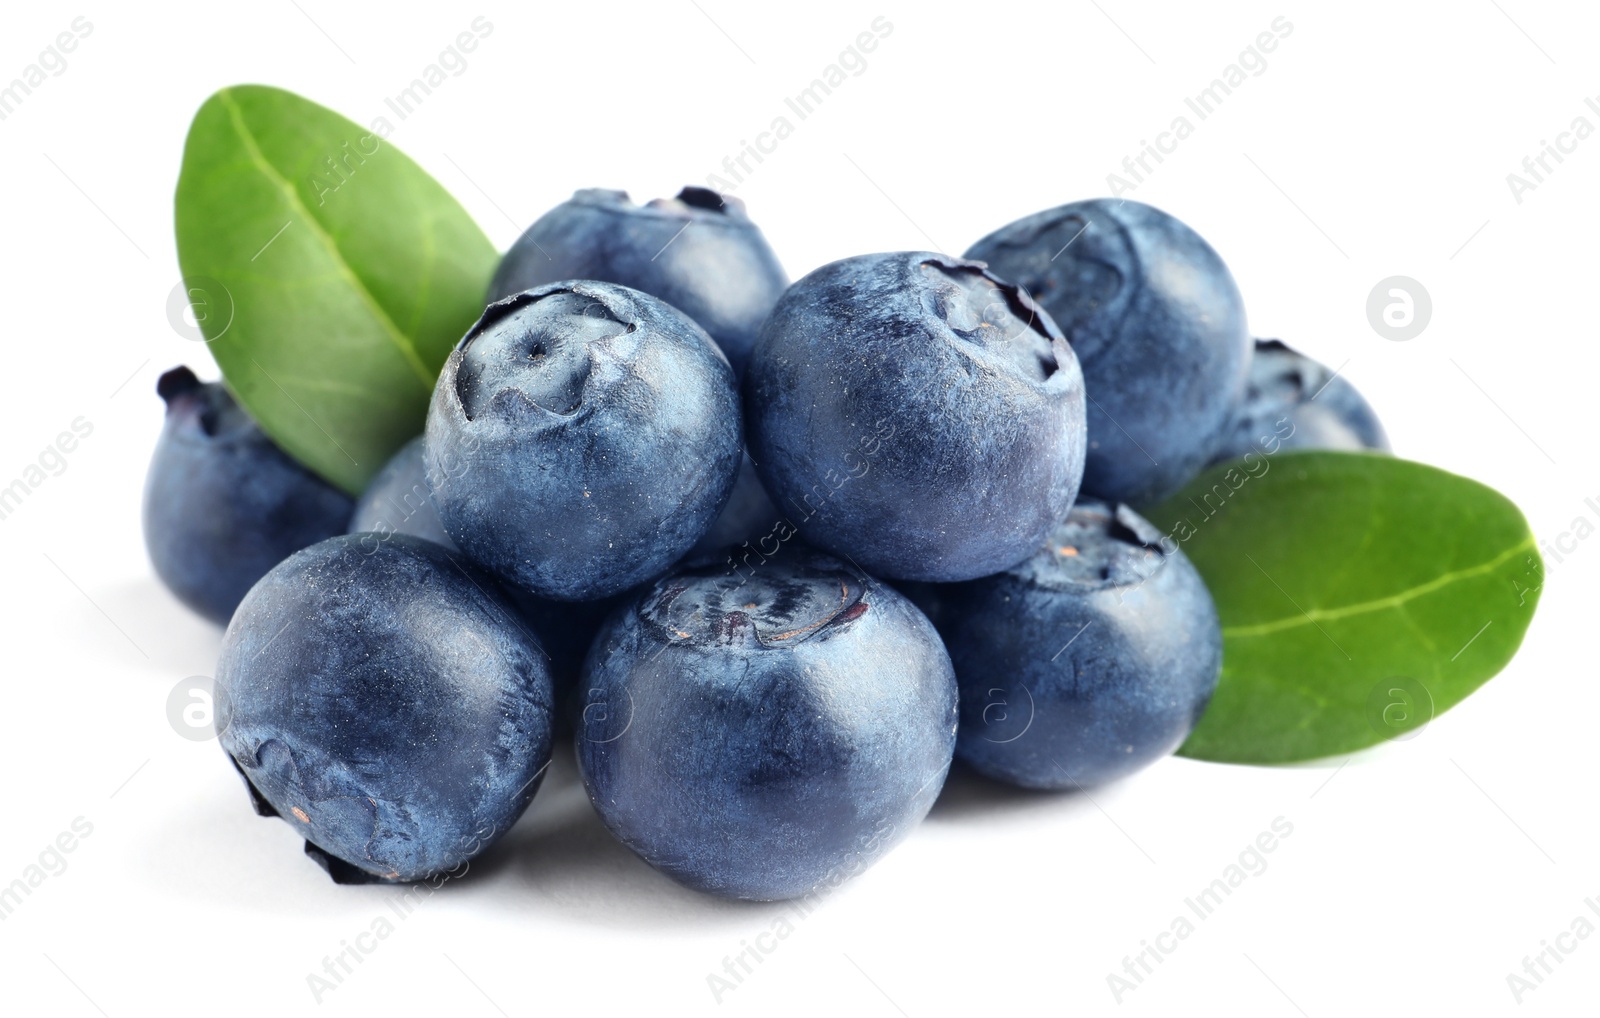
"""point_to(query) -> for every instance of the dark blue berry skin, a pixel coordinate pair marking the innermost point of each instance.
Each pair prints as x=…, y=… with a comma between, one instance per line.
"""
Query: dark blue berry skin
x=1088, y=661
x=912, y=412
x=386, y=703
x=1158, y=324
x=760, y=735
x=698, y=252
x=566, y=630
x=582, y=438
x=748, y=515
x=1294, y=402
x=398, y=500
x=222, y=503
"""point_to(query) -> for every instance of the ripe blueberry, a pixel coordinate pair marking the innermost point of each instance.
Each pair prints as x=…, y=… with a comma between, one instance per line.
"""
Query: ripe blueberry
x=1294, y=402
x=582, y=437
x=758, y=735
x=222, y=503
x=386, y=703
x=698, y=252
x=1158, y=324
x=916, y=414
x=1086, y=662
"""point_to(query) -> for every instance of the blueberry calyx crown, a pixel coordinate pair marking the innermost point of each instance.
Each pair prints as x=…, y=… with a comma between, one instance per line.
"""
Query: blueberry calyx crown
x=176, y=383
x=1291, y=380
x=544, y=355
x=778, y=605
x=703, y=199
x=993, y=315
x=1083, y=280
x=691, y=202
x=210, y=405
x=1097, y=546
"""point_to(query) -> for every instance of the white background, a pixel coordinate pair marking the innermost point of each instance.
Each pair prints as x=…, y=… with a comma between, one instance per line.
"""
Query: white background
x=1376, y=142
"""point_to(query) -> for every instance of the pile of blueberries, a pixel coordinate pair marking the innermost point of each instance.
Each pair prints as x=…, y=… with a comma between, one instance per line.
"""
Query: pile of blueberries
x=775, y=554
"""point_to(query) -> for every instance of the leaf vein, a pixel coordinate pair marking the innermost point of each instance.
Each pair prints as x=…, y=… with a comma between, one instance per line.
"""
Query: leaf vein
x=401, y=341
x=1378, y=604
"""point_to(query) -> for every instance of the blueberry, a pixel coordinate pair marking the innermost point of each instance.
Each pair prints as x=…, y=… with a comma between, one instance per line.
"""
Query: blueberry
x=912, y=412
x=760, y=735
x=398, y=500
x=386, y=703
x=582, y=437
x=1155, y=318
x=566, y=630
x=748, y=515
x=1293, y=402
x=698, y=252
x=1086, y=662
x=222, y=503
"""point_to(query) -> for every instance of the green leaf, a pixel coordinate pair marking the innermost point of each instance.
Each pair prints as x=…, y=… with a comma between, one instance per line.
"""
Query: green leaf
x=1360, y=595
x=337, y=275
